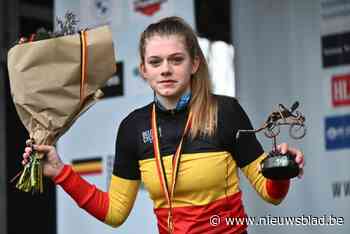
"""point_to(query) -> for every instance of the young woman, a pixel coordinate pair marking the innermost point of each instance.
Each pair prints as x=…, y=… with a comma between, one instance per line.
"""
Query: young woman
x=182, y=146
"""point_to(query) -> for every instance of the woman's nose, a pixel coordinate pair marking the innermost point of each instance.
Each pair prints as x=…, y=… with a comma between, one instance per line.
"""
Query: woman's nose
x=165, y=73
x=166, y=69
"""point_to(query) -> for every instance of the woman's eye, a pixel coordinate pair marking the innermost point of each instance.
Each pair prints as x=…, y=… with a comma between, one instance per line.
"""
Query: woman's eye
x=155, y=62
x=177, y=60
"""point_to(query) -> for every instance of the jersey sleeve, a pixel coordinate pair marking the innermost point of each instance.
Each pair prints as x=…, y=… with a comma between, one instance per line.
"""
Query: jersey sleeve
x=126, y=161
x=232, y=118
x=272, y=191
x=112, y=207
x=248, y=152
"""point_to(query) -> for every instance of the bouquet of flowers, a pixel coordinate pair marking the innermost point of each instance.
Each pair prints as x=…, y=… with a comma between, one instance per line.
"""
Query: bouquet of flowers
x=54, y=78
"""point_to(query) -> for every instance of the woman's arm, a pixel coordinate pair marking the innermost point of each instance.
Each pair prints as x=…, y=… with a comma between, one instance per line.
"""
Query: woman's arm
x=272, y=191
x=248, y=152
x=112, y=207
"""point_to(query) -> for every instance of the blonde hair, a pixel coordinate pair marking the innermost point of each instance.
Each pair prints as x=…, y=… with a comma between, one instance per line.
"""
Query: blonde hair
x=203, y=104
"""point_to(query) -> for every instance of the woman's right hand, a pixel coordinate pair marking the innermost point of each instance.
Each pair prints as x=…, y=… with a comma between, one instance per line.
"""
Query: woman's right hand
x=52, y=163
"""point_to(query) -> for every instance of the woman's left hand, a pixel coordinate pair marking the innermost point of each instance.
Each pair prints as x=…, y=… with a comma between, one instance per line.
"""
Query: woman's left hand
x=298, y=155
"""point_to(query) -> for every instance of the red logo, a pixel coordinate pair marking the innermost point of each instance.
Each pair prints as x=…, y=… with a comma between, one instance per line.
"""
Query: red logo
x=341, y=90
x=148, y=7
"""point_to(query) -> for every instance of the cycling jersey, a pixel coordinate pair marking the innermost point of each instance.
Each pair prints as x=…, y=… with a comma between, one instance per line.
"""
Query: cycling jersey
x=207, y=182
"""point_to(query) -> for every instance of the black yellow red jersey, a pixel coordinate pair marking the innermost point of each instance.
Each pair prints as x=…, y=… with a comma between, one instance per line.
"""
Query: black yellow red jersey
x=207, y=182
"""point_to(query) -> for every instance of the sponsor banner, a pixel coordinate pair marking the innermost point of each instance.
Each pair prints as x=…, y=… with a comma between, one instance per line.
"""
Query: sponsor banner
x=336, y=49
x=341, y=189
x=100, y=12
x=337, y=132
x=335, y=32
x=148, y=7
x=341, y=90
x=335, y=16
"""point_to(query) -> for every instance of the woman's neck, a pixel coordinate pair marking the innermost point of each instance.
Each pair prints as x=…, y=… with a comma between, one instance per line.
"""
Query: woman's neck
x=170, y=103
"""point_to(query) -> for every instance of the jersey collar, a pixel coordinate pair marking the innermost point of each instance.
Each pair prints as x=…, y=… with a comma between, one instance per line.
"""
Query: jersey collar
x=180, y=106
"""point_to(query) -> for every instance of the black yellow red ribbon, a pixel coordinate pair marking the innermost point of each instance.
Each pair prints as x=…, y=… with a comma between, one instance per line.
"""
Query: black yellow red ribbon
x=84, y=62
x=169, y=194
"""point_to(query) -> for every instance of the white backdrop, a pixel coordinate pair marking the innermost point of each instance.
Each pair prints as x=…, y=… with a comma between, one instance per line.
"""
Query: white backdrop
x=278, y=60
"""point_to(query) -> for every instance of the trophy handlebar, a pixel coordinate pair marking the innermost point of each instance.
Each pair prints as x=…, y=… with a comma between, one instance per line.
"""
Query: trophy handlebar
x=284, y=116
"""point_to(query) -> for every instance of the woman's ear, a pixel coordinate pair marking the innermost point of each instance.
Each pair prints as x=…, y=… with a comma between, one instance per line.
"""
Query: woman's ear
x=142, y=71
x=195, y=64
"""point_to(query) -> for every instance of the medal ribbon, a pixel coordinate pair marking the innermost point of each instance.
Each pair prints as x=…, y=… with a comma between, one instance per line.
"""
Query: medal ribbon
x=169, y=194
x=84, y=58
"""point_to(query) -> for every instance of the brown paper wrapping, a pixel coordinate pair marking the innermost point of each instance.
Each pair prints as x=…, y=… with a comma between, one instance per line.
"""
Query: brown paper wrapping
x=45, y=79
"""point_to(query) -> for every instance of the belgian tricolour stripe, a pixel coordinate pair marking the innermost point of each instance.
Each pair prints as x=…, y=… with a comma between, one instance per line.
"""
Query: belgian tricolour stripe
x=88, y=166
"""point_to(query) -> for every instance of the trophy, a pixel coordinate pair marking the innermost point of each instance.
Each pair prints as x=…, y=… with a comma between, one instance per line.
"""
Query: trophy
x=279, y=166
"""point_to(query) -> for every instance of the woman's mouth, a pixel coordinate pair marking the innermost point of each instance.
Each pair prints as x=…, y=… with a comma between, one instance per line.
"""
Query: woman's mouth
x=167, y=81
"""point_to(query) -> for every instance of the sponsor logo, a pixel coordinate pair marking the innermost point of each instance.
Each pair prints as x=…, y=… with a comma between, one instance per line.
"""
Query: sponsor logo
x=147, y=136
x=337, y=132
x=341, y=189
x=109, y=169
x=341, y=90
x=148, y=7
x=336, y=49
x=102, y=8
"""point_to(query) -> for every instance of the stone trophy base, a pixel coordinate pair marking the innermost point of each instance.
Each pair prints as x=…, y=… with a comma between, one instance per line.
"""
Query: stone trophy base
x=279, y=167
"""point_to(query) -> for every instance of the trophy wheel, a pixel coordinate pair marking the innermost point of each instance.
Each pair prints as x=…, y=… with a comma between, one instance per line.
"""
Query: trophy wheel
x=297, y=131
x=272, y=131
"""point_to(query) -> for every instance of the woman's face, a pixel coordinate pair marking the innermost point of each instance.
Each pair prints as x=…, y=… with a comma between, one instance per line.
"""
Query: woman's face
x=168, y=66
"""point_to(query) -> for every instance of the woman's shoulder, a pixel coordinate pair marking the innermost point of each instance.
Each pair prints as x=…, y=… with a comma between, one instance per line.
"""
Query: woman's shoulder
x=225, y=102
x=138, y=115
x=229, y=108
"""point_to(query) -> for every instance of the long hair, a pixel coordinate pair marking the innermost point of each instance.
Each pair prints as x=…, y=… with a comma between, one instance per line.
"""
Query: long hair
x=203, y=104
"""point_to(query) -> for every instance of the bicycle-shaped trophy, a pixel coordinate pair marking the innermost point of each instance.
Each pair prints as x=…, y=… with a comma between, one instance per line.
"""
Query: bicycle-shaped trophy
x=276, y=165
